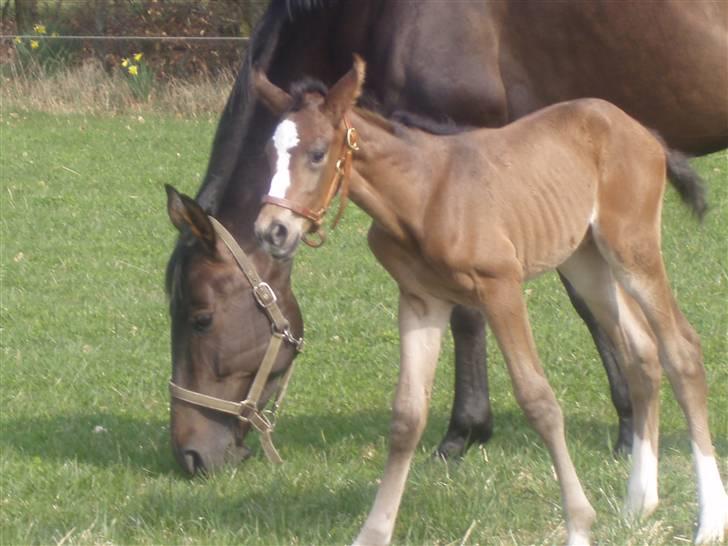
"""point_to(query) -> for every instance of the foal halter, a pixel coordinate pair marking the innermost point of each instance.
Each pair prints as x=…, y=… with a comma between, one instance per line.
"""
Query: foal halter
x=247, y=411
x=340, y=181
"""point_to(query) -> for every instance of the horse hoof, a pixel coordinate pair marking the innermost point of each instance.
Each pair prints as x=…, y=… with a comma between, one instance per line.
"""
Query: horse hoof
x=455, y=444
x=623, y=445
x=450, y=450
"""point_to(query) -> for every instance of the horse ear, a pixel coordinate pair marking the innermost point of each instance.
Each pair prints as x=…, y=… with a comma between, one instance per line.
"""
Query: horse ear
x=344, y=93
x=272, y=96
x=189, y=218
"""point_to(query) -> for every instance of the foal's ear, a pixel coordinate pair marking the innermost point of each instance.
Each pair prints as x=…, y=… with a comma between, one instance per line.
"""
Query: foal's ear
x=274, y=98
x=189, y=218
x=344, y=93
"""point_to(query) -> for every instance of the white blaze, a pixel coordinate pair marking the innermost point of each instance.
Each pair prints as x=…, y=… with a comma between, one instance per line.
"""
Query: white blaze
x=284, y=139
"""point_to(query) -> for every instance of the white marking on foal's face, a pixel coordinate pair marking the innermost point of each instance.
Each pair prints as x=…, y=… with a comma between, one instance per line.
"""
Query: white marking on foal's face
x=285, y=139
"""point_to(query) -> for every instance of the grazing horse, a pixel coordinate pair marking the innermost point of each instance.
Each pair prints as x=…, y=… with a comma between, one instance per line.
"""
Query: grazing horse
x=467, y=219
x=510, y=58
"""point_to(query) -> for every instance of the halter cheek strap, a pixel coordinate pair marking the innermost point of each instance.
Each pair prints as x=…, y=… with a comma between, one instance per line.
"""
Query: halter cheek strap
x=339, y=184
x=249, y=410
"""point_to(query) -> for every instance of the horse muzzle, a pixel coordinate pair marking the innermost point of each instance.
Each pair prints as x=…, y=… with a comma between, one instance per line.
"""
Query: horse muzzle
x=277, y=235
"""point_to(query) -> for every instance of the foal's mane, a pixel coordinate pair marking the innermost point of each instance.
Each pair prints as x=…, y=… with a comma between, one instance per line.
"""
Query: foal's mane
x=400, y=122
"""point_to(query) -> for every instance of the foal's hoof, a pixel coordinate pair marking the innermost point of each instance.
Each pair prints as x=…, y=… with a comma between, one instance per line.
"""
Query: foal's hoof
x=713, y=523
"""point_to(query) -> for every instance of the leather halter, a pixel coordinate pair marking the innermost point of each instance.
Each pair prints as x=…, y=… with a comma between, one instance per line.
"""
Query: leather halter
x=247, y=411
x=339, y=182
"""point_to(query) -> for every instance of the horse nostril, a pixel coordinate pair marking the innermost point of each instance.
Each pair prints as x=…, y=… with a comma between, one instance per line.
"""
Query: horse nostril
x=277, y=234
x=193, y=462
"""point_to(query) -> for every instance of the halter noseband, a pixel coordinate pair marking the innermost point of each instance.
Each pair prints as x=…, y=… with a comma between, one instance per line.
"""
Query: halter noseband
x=339, y=182
x=247, y=411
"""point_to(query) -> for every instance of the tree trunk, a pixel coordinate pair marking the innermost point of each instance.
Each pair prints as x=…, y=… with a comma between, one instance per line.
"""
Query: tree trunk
x=26, y=12
x=101, y=9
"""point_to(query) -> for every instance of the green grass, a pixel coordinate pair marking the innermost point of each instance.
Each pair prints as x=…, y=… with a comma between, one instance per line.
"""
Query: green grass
x=85, y=362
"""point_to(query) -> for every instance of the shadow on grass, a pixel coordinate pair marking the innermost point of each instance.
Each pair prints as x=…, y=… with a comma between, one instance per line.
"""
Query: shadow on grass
x=108, y=439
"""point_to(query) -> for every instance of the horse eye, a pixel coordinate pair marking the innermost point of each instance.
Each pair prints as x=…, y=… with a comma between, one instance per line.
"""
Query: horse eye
x=317, y=156
x=201, y=322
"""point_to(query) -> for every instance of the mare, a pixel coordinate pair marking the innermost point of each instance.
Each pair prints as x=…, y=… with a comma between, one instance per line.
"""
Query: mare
x=663, y=62
x=468, y=218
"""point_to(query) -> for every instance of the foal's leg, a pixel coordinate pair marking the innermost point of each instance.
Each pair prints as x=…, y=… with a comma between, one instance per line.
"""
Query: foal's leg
x=507, y=316
x=637, y=263
x=421, y=323
x=608, y=355
x=620, y=318
x=471, y=419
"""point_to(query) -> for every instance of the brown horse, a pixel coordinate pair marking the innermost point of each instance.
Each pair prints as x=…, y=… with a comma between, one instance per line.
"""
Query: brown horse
x=467, y=219
x=663, y=62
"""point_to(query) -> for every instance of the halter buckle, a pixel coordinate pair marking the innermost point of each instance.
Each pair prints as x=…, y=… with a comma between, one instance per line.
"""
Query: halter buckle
x=264, y=294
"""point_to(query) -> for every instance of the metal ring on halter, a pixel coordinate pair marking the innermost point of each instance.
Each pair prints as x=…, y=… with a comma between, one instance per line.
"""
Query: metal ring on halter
x=351, y=139
x=312, y=242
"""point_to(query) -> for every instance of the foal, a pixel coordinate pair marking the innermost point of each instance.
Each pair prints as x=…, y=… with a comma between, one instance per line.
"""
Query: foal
x=467, y=219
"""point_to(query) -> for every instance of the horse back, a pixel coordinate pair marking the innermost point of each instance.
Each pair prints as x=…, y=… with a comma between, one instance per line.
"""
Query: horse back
x=531, y=188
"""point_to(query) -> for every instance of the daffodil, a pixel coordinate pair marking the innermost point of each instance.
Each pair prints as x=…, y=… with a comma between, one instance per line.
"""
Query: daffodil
x=39, y=29
x=34, y=44
x=138, y=57
x=133, y=70
x=125, y=62
x=18, y=40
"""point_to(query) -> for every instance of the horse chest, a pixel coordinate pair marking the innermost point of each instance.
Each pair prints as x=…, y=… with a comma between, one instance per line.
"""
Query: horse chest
x=415, y=266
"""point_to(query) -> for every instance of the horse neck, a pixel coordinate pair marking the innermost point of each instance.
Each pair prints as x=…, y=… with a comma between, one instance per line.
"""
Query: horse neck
x=386, y=181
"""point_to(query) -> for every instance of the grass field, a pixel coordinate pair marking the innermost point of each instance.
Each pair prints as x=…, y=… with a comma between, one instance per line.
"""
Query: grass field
x=83, y=388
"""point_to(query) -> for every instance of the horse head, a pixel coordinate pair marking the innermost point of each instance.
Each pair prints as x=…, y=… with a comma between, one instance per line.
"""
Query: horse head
x=219, y=339
x=310, y=156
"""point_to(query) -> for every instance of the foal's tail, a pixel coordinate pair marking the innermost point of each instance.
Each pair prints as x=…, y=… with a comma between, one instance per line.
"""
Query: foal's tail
x=685, y=180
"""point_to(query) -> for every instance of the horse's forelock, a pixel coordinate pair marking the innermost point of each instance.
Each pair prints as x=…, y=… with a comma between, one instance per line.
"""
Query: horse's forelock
x=306, y=86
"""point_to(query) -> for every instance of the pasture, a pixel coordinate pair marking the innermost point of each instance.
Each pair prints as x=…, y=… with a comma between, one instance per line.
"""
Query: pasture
x=84, y=342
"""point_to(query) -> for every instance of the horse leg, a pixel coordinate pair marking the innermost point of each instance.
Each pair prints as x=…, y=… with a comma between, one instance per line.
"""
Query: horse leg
x=507, y=316
x=608, y=355
x=421, y=323
x=681, y=357
x=636, y=261
x=471, y=419
x=621, y=319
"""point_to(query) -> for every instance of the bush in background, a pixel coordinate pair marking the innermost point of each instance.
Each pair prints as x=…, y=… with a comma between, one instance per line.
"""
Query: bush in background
x=160, y=63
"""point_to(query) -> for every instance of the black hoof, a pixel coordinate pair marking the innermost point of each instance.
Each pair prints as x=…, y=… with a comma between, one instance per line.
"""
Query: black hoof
x=458, y=441
x=623, y=445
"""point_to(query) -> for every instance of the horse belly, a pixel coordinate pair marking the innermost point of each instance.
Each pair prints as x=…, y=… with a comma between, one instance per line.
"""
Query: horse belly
x=547, y=214
x=546, y=239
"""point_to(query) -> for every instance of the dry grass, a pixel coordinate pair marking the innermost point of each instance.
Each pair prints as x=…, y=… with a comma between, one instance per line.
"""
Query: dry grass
x=89, y=89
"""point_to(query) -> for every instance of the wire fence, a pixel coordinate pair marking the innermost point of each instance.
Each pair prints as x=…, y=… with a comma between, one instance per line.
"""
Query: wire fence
x=14, y=37
x=179, y=39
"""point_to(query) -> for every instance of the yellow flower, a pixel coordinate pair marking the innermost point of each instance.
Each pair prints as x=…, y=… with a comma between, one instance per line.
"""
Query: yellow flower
x=54, y=34
x=125, y=62
x=18, y=40
x=133, y=70
x=34, y=44
x=39, y=29
x=137, y=57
